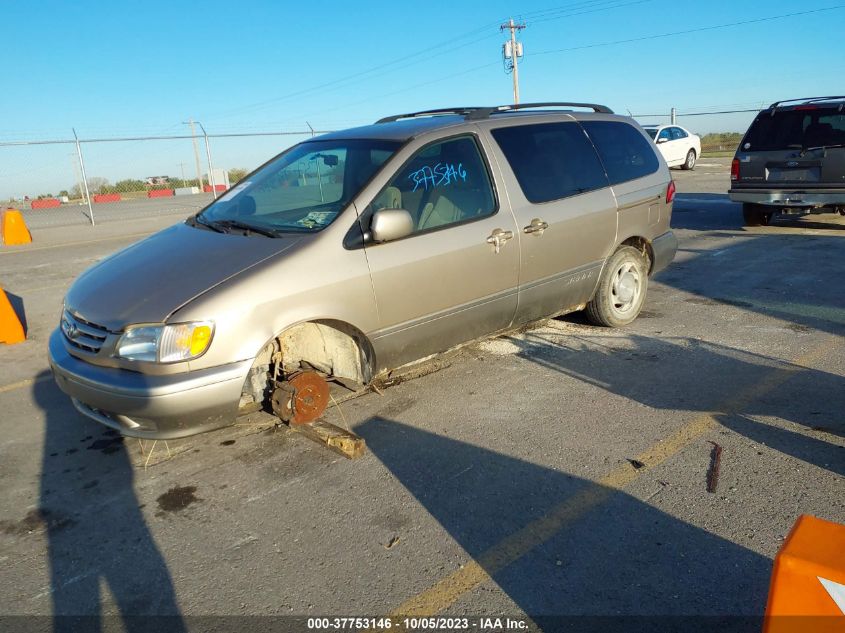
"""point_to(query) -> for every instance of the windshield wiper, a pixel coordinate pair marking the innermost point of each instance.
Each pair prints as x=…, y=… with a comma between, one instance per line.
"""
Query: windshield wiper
x=237, y=224
x=195, y=220
x=804, y=150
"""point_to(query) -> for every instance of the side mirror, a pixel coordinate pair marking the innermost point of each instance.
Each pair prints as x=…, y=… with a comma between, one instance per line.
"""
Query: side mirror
x=390, y=224
x=662, y=139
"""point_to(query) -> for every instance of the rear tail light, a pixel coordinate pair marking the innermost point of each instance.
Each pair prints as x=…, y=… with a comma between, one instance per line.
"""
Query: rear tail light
x=735, y=169
x=670, y=192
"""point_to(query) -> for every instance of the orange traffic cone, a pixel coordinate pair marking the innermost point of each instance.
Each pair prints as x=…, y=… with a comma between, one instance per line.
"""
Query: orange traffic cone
x=807, y=591
x=14, y=228
x=11, y=330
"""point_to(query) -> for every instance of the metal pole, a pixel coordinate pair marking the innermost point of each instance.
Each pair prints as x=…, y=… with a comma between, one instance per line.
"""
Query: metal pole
x=674, y=117
x=182, y=166
x=77, y=175
x=210, y=166
x=196, y=152
x=515, y=63
x=84, y=177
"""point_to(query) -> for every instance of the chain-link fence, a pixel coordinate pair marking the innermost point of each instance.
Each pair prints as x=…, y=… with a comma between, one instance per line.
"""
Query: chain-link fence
x=712, y=142
x=70, y=181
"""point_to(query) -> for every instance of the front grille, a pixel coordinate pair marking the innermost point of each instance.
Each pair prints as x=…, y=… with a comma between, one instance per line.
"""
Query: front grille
x=83, y=334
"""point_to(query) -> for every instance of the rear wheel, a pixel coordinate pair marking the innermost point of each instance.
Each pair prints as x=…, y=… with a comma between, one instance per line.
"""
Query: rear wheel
x=622, y=289
x=756, y=215
x=689, y=163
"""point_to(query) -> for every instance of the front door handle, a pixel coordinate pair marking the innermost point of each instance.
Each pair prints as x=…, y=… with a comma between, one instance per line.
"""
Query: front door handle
x=499, y=237
x=537, y=227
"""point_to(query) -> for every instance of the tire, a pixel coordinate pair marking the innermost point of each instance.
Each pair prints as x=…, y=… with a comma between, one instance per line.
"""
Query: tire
x=756, y=215
x=622, y=289
x=689, y=162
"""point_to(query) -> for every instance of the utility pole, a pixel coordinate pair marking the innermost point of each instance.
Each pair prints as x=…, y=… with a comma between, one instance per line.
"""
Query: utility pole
x=182, y=167
x=196, y=151
x=512, y=50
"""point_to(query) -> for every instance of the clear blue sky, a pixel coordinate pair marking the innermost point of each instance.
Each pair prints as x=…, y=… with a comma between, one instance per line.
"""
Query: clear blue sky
x=114, y=69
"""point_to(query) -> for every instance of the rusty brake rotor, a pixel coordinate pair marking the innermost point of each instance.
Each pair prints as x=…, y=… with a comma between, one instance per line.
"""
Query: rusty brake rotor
x=301, y=398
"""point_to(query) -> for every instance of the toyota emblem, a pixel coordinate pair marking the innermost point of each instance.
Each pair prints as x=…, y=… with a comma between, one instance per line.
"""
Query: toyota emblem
x=70, y=329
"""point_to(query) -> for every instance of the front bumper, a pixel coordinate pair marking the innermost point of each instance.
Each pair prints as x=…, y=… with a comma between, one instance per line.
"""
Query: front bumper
x=789, y=198
x=663, y=248
x=151, y=407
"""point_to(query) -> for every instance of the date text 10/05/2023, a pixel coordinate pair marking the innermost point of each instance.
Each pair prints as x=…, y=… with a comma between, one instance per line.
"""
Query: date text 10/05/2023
x=417, y=624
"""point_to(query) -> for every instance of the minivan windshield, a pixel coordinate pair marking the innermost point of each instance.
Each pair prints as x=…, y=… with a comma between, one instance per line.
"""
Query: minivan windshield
x=801, y=128
x=301, y=191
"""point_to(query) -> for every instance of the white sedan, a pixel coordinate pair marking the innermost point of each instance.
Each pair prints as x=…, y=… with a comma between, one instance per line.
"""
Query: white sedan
x=679, y=146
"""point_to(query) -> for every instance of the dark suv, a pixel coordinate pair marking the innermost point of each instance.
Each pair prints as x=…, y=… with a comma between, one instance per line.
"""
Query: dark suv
x=792, y=160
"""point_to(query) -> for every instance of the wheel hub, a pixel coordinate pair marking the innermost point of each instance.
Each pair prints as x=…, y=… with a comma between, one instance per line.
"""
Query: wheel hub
x=301, y=398
x=626, y=289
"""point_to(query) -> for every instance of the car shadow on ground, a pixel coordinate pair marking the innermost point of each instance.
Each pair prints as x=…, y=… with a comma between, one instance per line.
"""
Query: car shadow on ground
x=97, y=534
x=753, y=277
x=705, y=377
x=566, y=550
x=714, y=211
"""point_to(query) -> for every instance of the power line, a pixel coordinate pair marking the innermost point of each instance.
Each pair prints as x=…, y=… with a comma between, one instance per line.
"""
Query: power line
x=566, y=12
x=688, y=31
x=642, y=116
x=618, y=42
x=570, y=10
x=374, y=71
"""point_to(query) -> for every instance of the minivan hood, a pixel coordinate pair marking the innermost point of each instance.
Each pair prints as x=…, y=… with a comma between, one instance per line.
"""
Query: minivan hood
x=151, y=279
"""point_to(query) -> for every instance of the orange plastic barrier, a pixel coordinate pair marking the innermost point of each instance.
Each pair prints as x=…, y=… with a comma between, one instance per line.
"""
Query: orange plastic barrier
x=807, y=591
x=45, y=203
x=14, y=228
x=11, y=330
x=207, y=188
x=107, y=197
x=160, y=193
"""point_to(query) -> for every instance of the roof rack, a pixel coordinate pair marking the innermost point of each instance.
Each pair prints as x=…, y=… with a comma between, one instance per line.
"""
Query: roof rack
x=777, y=104
x=441, y=111
x=485, y=113
x=478, y=113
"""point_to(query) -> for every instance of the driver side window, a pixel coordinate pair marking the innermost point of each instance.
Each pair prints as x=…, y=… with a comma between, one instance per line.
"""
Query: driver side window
x=443, y=184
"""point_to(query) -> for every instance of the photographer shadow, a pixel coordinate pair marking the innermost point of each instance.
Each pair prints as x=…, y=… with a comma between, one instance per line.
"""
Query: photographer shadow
x=96, y=532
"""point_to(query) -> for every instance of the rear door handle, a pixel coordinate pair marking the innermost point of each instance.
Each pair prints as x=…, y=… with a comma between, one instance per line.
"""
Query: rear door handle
x=499, y=237
x=537, y=227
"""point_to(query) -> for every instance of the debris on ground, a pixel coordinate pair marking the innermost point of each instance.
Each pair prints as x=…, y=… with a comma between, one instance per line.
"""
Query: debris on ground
x=333, y=437
x=713, y=470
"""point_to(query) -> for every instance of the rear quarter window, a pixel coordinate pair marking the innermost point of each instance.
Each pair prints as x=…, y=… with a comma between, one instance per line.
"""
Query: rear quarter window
x=551, y=161
x=625, y=152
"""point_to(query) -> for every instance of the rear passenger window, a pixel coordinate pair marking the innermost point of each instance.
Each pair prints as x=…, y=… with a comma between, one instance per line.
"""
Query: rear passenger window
x=678, y=133
x=551, y=160
x=444, y=183
x=625, y=152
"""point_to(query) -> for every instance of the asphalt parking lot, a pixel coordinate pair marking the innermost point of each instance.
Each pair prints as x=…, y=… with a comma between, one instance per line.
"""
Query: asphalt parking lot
x=561, y=471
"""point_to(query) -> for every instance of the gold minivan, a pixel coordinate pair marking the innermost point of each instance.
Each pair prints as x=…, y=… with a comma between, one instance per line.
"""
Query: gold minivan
x=357, y=252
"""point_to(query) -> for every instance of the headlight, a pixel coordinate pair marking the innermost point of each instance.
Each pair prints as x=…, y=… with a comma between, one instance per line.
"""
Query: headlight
x=165, y=343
